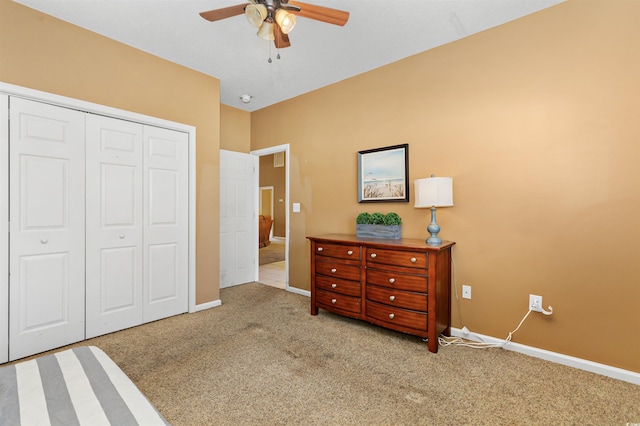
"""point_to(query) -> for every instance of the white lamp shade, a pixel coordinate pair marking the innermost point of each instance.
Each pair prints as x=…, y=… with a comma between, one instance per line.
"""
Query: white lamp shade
x=434, y=192
x=256, y=14
x=286, y=21
x=266, y=31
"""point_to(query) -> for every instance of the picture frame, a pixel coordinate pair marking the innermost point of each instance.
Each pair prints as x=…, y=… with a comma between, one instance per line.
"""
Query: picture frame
x=383, y=174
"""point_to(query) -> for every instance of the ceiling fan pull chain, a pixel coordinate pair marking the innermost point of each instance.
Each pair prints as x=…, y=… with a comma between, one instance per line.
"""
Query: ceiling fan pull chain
x=269, y=54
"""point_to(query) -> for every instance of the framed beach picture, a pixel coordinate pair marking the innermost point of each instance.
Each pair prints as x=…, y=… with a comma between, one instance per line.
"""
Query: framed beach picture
x=383, y=174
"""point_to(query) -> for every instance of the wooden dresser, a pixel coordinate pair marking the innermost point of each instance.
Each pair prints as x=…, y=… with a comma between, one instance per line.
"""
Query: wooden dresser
x=403, y=285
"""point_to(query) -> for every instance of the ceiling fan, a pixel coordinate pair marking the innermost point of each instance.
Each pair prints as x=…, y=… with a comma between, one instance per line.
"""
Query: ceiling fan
x=276, y=18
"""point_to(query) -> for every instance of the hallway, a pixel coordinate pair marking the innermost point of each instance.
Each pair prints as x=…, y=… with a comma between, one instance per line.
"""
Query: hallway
x=272, y=271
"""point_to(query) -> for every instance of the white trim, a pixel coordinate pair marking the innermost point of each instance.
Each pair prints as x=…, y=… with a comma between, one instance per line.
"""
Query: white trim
x=299, y=291
x=208, y=305
x=287, y=164
x=570, y=361
x=77, y=104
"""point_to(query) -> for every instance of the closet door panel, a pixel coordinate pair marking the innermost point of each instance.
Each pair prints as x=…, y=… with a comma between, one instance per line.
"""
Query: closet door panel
x=4, y=236
x=165, y=223
x=114, y=225
x=46, y=286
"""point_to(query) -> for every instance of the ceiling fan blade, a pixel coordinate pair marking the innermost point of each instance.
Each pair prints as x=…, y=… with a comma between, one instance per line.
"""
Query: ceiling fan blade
x=320, y=13
x=225, y=12
x=281, y=39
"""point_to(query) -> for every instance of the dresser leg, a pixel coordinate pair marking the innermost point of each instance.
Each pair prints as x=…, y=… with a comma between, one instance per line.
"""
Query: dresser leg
x=433, y=345
x=314, y=310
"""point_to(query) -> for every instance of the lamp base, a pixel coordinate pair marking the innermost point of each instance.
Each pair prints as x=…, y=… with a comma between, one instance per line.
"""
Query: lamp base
x=433, y=229
x=434, y=241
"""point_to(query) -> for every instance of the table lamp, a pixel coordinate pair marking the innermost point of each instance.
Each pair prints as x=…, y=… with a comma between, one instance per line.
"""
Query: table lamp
x=434, y=192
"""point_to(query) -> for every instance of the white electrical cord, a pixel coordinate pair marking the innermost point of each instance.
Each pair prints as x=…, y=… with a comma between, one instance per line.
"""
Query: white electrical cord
x=458, y=341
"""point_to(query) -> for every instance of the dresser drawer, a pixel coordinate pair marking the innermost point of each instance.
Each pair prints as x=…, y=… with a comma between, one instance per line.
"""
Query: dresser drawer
x=417, y=283
x=337, y=269
x=338, y=250
x=400, y=317
x=338, y=301
x=409, y=259
x=337, y=285
x=398, y=298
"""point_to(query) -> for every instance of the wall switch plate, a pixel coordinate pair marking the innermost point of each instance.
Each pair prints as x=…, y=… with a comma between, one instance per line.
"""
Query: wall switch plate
x=466, y=292
x=296, y=207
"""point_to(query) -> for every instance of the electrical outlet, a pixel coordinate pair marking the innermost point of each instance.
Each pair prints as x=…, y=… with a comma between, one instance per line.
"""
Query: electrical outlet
x=466, y=292
x=535, y=303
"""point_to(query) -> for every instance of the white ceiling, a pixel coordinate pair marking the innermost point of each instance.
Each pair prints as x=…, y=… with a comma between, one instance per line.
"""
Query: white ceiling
x=378, y=32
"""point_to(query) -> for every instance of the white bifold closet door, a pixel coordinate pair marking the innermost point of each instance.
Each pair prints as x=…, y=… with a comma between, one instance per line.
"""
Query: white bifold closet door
x=137, y=224
x=114, y=224
x=4, y=236
x=47, y=220
x=166, y=223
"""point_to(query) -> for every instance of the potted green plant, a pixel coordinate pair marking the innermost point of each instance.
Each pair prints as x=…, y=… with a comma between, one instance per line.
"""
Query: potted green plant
x=378, y=225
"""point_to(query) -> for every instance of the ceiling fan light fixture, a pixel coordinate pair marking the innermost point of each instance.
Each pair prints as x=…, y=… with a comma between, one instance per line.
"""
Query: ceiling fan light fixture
x=286, y=21
x=265, y=31
x=256, y=14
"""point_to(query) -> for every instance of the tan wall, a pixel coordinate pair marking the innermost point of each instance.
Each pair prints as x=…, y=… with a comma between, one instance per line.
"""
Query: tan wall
x=235, y=129
x=275, y=176
x=537, y=123
x=44, y=53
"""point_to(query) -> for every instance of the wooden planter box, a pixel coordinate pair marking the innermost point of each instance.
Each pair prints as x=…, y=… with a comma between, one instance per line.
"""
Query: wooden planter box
x=393, y=232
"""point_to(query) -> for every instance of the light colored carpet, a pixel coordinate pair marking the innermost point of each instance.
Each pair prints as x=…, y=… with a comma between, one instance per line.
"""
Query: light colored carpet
x=272, y=253
x=262, y=359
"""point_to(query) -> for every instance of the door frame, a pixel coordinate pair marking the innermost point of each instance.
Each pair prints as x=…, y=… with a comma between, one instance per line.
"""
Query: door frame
x=268, y=151
x=63, y=101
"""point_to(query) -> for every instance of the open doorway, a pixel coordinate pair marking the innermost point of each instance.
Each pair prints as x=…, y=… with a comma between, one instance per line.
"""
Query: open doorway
x=273, y=216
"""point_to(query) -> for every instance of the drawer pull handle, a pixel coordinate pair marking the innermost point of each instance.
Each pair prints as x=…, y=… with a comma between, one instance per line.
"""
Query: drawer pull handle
x=121, y=236
x=414, y=260
x=391, y=316
x=320, y=249
x=392, y=298
x=334, y=285
x=333, y=301
x=44, y=241
x=333, y=271
x=373, y=255
x=392, y=280
x=350, y=252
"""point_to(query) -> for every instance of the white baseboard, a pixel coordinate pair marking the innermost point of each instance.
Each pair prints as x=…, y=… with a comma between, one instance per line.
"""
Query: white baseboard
x=208, y=305
x=299, y=291
x=582, y=364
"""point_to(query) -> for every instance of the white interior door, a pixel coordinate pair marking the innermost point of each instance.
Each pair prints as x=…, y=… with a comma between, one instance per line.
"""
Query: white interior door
x=238, y=221
x=47, y=219
x=114, y=224
x=166, y=223
x=4, y=232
